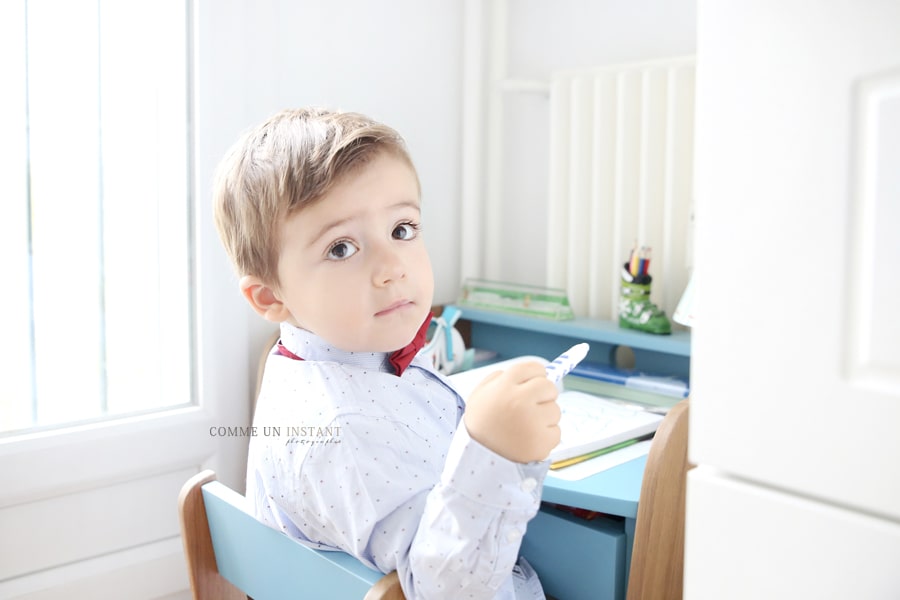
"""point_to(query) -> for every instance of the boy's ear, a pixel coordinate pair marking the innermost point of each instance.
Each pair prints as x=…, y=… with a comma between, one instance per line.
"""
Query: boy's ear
x=263, y=299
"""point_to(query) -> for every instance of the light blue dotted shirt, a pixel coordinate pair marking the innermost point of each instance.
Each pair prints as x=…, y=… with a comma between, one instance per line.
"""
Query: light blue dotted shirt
x=349, y=456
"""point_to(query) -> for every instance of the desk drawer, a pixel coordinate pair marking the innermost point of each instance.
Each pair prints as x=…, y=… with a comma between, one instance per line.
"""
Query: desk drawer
x=577, y=559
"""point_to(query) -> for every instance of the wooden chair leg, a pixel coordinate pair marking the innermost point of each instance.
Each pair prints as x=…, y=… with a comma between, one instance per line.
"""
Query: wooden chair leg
x=206, y=582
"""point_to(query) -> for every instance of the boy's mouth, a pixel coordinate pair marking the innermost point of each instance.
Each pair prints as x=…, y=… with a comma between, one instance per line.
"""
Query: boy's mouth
x=399, y=304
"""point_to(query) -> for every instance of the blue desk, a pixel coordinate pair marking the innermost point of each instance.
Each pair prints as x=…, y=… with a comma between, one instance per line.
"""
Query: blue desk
x=576, y=558
x=595, y=563
x=615, y=491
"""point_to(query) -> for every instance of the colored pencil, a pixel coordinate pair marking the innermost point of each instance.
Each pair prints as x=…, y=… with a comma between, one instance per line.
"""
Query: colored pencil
x=578, y=459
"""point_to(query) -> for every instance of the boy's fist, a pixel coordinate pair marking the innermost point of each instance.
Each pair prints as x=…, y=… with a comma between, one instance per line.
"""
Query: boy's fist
x=514, y=413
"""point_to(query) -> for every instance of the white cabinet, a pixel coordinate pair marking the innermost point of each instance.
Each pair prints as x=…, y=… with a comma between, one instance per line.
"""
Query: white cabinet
x=765, y=543
x=796, y=356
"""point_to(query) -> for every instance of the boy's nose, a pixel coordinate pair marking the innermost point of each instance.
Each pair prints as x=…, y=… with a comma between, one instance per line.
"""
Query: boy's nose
x=388, y=266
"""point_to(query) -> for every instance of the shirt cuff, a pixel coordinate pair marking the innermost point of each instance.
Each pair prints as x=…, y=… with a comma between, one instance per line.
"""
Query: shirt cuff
x=484, y=476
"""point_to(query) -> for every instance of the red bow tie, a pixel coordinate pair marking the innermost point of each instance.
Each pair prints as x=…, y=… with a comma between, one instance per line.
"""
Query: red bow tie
x=399, y=359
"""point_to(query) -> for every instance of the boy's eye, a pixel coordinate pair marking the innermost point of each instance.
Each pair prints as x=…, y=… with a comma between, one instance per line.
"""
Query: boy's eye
x=405, y=231
x=342, y=250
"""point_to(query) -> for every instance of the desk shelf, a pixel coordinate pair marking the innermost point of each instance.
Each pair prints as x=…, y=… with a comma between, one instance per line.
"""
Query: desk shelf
x=588, y=330
x=514, y=335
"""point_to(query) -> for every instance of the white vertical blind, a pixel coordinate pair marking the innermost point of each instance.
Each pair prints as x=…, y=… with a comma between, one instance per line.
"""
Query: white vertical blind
x=96, y=227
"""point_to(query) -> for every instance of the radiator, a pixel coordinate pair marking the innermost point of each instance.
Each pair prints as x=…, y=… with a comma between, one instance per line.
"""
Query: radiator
x=621, y=162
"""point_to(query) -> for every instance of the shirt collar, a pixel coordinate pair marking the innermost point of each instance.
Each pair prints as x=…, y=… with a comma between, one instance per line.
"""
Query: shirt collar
x=306, y=345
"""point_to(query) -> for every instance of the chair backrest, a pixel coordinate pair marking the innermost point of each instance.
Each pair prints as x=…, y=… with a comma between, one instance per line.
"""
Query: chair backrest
x=657, y=559
x=231, y=555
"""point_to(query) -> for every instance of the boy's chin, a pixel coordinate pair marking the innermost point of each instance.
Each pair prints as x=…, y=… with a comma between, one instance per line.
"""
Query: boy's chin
x=400, y=342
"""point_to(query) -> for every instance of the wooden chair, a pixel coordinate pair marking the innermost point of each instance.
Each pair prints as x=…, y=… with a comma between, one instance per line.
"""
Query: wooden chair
x=657, y=559
x=231, y=555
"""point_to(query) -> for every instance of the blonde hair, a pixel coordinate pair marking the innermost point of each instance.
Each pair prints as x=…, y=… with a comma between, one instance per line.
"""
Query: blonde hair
x=290, y=161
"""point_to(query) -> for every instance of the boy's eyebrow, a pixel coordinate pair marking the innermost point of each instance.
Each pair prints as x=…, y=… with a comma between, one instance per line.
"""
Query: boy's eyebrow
x=337, y=223
x=328, y=227
x=407, y=204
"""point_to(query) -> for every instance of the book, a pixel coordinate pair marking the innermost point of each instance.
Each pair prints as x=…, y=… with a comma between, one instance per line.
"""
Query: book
x=638, y=380
x=650, y=400
x=550, y=303
x=591, y=423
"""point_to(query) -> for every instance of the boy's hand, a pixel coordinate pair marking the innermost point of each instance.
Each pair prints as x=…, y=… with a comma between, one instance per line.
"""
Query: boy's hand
x=514, y=413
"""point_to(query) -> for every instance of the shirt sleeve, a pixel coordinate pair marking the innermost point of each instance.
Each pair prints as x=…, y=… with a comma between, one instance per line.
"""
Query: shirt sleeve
x=454, y=532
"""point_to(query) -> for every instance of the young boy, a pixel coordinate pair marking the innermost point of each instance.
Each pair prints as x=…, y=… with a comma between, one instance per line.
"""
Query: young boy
x=362, y=446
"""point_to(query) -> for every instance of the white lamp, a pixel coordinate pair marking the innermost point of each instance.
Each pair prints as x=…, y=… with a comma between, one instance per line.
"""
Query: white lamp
x=684, y=312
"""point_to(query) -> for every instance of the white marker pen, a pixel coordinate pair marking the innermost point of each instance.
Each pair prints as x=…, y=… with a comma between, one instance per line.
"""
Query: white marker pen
x=566, y=361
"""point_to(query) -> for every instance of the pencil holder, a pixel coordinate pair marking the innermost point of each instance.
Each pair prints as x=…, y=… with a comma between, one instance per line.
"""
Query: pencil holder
x=635, y=309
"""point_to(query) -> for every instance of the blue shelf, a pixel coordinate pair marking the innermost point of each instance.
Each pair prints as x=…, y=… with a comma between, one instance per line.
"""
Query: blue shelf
x=589, y=330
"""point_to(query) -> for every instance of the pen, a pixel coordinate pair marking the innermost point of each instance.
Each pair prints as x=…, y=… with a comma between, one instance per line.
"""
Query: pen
x=566, y=361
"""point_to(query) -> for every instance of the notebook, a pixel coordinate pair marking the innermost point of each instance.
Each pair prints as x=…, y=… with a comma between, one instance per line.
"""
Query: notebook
x=590, y=423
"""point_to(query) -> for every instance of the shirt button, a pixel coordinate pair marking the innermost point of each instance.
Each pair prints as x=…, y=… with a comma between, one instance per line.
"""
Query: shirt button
x=513, y=535
x=529, y=484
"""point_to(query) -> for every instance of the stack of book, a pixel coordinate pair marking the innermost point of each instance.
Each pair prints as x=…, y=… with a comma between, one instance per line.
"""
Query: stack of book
x=655, y=392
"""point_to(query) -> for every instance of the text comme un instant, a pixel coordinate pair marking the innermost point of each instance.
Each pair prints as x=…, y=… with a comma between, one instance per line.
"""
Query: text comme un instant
x=253, y=431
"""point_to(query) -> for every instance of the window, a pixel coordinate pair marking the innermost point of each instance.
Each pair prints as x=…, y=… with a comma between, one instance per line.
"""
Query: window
x=95, y=226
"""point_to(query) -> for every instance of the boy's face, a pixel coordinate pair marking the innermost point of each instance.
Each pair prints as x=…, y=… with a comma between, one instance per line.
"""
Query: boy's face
x=353, y=268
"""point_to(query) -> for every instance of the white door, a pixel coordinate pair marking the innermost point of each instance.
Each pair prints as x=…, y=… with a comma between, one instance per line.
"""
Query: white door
x=796, y=356
x=89, y=510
